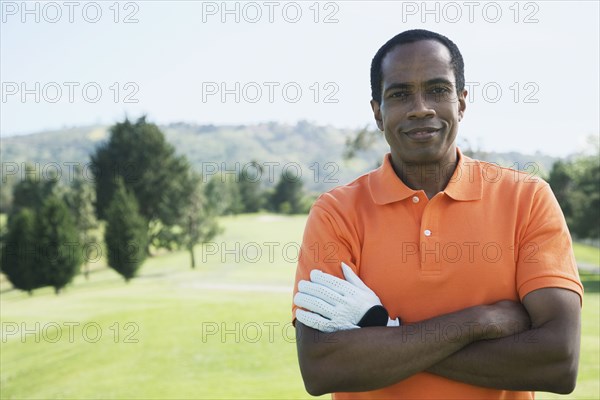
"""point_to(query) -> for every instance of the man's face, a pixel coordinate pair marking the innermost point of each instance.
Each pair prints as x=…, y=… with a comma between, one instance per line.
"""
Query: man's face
x=420, y=109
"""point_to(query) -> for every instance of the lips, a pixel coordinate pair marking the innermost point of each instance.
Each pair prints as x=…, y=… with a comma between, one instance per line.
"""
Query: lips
x=422, y=133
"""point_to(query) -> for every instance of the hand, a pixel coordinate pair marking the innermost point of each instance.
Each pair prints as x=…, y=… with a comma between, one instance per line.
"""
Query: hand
x=342, y=304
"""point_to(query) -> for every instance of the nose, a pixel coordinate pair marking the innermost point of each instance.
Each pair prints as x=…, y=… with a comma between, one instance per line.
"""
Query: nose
x=420, y=108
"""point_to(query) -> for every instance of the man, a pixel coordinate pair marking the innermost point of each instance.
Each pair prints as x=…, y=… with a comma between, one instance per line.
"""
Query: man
x=475, y=260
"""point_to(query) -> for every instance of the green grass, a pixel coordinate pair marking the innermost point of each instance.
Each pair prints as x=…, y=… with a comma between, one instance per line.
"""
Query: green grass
x=170, y=333
x=587, y=254
x=220, y=331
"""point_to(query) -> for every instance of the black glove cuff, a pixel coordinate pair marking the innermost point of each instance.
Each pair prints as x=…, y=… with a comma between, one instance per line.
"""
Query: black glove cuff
x=375, y=316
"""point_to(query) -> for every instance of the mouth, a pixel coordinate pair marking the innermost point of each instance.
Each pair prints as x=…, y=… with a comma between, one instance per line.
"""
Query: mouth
x=422, y=134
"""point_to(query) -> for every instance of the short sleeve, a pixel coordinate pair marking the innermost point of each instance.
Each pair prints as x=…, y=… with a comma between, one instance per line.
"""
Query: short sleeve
x=324, y=246
x=546, y=256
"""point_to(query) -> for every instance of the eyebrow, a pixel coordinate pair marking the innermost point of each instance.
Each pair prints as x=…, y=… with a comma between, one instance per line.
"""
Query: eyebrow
x=434, y=81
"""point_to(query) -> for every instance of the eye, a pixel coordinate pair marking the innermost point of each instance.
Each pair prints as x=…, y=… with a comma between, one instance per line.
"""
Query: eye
x=440, y=90
x=439, y=93
x=402, y=95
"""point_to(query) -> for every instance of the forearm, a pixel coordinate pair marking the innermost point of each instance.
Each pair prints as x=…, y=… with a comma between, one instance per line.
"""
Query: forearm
x=537, y=359
x=387, y=355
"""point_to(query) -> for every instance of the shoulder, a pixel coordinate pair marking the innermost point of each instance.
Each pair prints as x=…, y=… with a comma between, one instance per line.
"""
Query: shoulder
x=344, y=207
x=529, y=195
x=346, y=198
x=505, y=181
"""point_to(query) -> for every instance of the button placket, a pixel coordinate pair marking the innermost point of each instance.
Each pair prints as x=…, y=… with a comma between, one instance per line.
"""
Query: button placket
x=429, y=246
x=418, y=206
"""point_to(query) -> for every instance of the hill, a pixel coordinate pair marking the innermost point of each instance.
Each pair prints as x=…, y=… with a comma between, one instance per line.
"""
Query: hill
x=312, y=150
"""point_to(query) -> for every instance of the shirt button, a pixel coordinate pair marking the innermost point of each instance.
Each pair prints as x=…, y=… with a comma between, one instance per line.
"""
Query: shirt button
x=427, y=232
x=415, y=199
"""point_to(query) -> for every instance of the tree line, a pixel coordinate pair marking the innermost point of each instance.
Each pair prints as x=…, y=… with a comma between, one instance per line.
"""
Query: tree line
x=144, y=195
x=576, y=185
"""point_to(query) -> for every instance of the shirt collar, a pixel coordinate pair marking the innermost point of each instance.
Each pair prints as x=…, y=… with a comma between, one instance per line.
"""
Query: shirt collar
x=464, y=185
x=466, y=181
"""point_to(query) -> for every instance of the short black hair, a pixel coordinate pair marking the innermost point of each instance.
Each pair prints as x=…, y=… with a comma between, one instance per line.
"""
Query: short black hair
x=412, y=36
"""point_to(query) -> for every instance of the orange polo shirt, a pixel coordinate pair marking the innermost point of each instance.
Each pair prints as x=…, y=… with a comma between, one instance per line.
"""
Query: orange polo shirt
x=493, y=234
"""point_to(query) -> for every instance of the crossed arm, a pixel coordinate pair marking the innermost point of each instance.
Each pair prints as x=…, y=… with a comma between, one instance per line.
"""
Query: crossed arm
x=536, y=347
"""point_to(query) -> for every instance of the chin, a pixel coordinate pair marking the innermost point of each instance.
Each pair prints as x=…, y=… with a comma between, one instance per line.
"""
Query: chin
x=421, y=156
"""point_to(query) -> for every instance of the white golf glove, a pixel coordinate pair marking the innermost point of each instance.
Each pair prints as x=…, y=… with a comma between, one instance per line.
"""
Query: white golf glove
x=336, y=304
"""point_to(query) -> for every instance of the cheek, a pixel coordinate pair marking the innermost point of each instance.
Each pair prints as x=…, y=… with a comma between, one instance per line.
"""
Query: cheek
x=451, y=114
x=390, y=138
x=391, y=117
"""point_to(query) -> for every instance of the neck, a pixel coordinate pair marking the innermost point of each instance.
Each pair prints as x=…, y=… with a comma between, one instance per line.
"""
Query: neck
x=431, y=177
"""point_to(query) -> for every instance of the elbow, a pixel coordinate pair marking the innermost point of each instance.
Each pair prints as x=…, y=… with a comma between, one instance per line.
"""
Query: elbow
x=567, y=380
x=317, y=373
x=314, y=385
x=565, y=377
x=565, y=387
x=560, y=382
x=315, y=380
x=315, y=388
x=570, y=368
x=561, y=363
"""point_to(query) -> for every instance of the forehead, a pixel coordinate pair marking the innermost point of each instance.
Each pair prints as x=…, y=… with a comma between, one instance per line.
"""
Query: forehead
x=418, y=61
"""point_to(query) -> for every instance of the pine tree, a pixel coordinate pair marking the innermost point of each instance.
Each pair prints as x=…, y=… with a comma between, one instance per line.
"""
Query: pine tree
x=139, y=154
x=561, y=181
x=288, y=196
x=7, y=189
x=585, y=198
x=18, y=252
x=126, y=233
x=32, y=191
x=80, y=197
x=199, y=219
x=59, y=252
x=223, y=195
x=249, y=183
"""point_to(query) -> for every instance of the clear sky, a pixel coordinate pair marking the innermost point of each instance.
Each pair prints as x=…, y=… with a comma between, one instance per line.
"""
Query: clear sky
x=532, y=68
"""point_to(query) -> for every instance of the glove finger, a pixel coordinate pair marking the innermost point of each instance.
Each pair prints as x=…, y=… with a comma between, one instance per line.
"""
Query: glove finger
x=351, y=277
x=315, y=321
x=319, y=323
x=314, y=304
x=321, y=292
x=333, y=283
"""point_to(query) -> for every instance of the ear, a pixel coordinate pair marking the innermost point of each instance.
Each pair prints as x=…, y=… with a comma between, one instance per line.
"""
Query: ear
x=377, y=114
x=462, y=104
